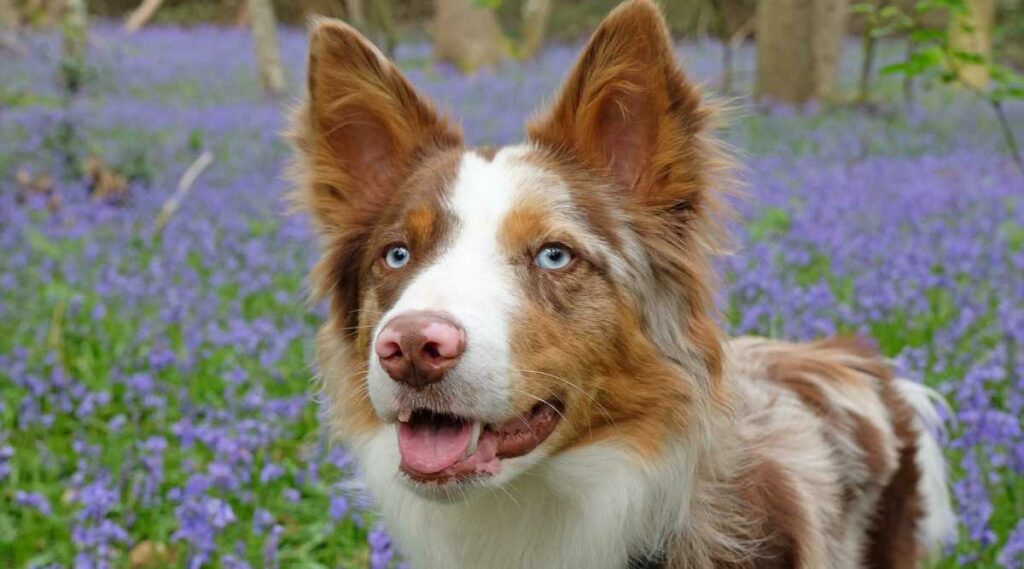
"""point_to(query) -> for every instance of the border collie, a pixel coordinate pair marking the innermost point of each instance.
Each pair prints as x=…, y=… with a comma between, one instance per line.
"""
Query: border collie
x=523, y=352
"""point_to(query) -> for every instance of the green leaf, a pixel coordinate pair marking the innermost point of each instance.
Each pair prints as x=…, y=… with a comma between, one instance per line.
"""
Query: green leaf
x=922, y=35
x=969, y=57
x=1003, y=93
x=918, y=63
x=890, y=12
x=925, y=6
x=862, y=9
x=1005, y=75
x=894, y=68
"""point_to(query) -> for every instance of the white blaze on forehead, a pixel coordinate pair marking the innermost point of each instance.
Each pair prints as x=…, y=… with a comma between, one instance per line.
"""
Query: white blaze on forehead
x=473, y=281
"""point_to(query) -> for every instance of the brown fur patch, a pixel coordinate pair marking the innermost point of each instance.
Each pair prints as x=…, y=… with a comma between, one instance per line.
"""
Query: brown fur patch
x=629, y=115
x=357, y=138
x=870, y=440
x=366, y=146
x=486, y=152
x=417, y=219
x=892, y=538
x=579, y=339
x=613, y=385
x=849, y=386
x=782, y=519
x=527, y=227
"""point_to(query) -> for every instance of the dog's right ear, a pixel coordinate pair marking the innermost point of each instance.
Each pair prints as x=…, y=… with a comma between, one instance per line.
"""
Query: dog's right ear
x=361, y=129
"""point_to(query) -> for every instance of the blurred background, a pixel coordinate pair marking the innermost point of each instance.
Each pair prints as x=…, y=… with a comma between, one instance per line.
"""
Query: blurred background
x=158, y=406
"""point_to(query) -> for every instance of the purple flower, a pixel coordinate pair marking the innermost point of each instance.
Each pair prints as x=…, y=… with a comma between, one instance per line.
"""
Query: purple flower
x=33, y=500
x=1012, y=554
x=338, y=508
x=270, y=546
x=381, y=552
x=271, y=472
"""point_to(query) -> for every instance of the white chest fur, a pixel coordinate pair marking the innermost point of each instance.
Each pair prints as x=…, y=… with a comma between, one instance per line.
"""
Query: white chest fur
x=592, y=507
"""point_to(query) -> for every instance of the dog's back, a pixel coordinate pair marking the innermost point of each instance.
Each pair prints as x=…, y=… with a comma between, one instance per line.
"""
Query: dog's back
x=843, y=465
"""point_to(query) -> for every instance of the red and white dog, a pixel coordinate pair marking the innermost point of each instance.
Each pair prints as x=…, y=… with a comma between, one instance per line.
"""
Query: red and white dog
x=522, y=350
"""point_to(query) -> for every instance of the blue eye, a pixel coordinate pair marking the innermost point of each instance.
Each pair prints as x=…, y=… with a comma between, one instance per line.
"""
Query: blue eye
x=397, y=256
x=553, y=256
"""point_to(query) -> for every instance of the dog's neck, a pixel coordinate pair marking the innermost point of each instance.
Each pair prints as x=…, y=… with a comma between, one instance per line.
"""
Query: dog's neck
x=597, y=506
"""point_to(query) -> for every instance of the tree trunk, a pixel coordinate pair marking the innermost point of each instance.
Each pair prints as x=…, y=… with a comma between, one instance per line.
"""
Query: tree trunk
x=381, y=19
x=908, y=79
x=9, y=18
x=355, y=13
x=869, y=41
x=971, y=32
x=867, y=66
x=726, y=85
x=141, y=15
x=799, y=43
x=74, y=44
x=10, y=23
x=242, y=15
x=535, y=21
x=467, y=35
x=733, y=36
x=264, y=35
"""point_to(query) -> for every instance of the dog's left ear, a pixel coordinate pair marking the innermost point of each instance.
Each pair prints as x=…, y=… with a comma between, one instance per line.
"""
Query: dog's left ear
x=628, y=110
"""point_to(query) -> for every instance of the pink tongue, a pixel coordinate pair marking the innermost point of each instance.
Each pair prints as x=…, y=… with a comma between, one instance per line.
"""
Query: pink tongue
x=430, y=450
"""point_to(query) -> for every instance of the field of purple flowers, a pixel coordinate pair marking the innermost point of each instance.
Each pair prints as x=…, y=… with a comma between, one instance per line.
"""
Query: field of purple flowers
x=157, y=404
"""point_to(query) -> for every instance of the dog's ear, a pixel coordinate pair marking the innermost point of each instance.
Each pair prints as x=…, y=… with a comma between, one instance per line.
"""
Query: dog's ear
x=626, y=108
x=362, y=127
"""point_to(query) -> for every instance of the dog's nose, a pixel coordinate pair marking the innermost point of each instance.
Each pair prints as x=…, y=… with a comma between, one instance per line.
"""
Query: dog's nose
x=418, y=348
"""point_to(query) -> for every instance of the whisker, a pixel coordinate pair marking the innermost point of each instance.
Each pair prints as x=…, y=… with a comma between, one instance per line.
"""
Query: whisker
x=593, y=399
x=545, y=402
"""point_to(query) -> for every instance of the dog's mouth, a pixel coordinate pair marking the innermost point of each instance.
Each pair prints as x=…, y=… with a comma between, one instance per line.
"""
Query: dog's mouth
x=441, y=448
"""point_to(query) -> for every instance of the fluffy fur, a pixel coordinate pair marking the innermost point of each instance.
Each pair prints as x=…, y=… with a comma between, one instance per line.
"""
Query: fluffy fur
x=675, y=445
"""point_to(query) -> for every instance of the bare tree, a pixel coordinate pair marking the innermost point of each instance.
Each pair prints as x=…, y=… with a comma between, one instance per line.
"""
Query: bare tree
x=467, y=35
x=869, y=39
x=74, y=45
x=971, y=32
x=535, y=20
x=734, y=24
x=9, y=17
x=141, y=15
x=264, y=35
x=798, y=47
x=10, y=23
x=356, y=12
x=381, y=19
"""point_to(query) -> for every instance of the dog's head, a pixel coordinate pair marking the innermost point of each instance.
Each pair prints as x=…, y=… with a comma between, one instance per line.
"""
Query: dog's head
x=491, y=310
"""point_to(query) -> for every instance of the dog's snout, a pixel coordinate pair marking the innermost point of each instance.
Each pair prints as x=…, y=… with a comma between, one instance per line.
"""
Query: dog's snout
x=418, y=348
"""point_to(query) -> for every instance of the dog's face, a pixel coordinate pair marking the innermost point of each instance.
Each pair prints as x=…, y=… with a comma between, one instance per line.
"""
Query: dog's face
x=495, y=309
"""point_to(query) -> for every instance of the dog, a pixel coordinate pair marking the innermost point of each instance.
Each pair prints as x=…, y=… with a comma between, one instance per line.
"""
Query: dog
x=522, y=350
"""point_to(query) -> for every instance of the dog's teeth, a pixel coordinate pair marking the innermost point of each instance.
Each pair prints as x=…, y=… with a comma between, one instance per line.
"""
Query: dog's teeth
x=478, y=428
x=404, y=415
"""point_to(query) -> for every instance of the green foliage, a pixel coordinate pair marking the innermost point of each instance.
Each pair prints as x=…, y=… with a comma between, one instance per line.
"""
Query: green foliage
x=933, y=57
x=881, y=20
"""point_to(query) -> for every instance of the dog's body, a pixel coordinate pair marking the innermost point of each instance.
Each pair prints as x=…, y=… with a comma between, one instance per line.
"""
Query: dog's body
x=522, y=351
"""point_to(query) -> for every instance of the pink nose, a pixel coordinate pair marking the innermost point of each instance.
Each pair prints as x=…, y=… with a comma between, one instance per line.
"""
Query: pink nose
x=418, y=348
